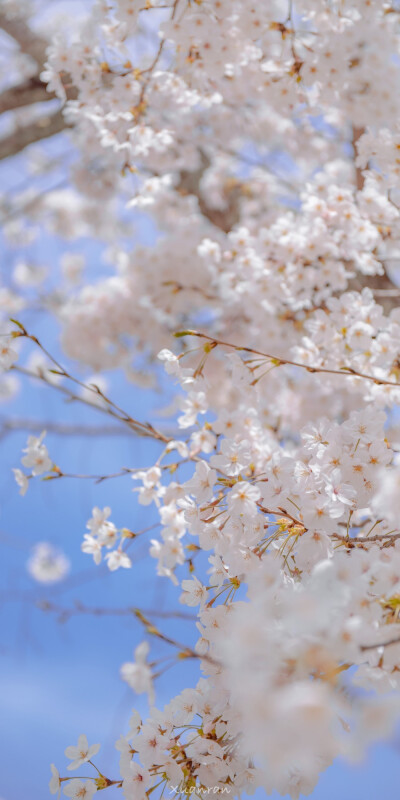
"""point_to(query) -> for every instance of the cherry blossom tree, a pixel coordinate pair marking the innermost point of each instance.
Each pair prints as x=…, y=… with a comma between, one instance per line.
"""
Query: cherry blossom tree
x=262, y=141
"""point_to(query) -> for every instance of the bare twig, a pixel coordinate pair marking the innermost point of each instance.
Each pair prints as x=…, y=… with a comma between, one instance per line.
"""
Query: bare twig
x=8, y=426
x=108, y=406
x=79, y=608
x=353, y=541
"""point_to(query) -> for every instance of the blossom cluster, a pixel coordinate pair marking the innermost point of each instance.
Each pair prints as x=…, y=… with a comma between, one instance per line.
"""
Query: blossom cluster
x=103, y=533
x=259, y=143
x=304, y=529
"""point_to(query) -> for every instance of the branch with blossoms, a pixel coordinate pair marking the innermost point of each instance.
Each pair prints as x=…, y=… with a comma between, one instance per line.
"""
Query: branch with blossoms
x=277, y=361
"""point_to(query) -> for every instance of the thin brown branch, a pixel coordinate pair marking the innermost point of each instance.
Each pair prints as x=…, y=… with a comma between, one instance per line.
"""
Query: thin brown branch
x=58, y=474
x=357, y=133
x=145, y=428
x=354, y=541
x=8, y=426
x=189, y=183
x=135, y=427
x=184, y=651
x=80, y=608
x=277, y=361
x=141, y=615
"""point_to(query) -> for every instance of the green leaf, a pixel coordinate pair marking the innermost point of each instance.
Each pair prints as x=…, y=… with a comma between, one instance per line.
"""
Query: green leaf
x=18, y=324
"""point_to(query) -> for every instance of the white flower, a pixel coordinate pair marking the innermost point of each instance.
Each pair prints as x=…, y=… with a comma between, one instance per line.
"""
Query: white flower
x=107, y=534
x=136, y=781
x=151, y=485
x=172, y=367
x=98, y=519
x=311, y=548
x=92, y=546
x=150, y=744
x=201, y=485
x=242, y=499
x=171, y=362
x=202, y=440
x=194, y=593
x=37, y=455
x=81, y=752
x=181, y=447
x=150, y=477
x=138, y=673
x=193, y=404
x=339, y=491
x=7, y=355
x=233, y=457
x=366, y=425
x=21, y=480
x=79, y=790
x=116, y=559
x=47, y=564
x=55, y=783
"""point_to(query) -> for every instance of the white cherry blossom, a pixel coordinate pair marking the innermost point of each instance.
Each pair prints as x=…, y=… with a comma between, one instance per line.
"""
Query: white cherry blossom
x=55, y=783
x=37, y=457
x=138, y=673
x=81, y=752
x=47, y=563
x=80, y=790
